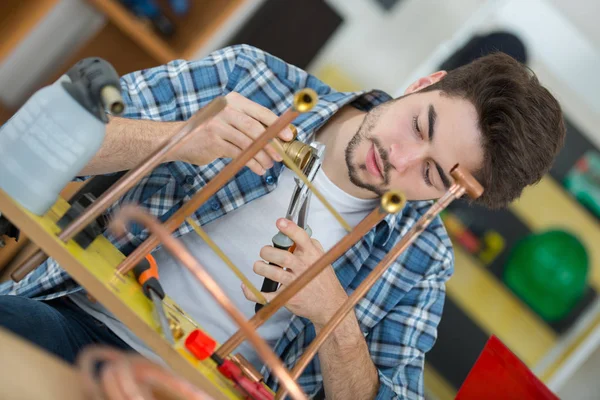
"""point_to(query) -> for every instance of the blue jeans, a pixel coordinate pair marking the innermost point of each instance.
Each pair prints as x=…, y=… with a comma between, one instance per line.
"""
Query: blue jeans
x=58, y=325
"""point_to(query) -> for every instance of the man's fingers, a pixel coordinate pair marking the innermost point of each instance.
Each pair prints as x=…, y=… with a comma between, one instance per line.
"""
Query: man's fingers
x=279, y=257
x=252, y=129
x=259, y=113
x=232, y=151
x=239, y=139
x=294, y=232
x=250, y=296
x=273, y=272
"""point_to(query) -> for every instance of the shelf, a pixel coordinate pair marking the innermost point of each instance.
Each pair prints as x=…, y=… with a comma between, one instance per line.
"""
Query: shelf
x=125, y=57
x=135, y=29
x=203, y=20
x=18, y=18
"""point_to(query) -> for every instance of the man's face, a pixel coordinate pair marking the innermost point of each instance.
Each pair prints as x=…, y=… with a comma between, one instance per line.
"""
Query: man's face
x=411, y=144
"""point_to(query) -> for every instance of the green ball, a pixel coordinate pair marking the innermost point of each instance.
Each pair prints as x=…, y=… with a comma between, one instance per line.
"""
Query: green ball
x=548, y=271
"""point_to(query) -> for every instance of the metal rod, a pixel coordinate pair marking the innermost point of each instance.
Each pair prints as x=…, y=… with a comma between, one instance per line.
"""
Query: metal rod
x=215, y=248
x=304, y=100
x=391, y=202
x=456, y=190
x=178, y=250
x=126, y=182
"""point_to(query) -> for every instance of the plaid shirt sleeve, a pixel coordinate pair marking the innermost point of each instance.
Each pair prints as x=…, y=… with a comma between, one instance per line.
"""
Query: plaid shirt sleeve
x=175, y=91
x=414, y=339
x=399, y=342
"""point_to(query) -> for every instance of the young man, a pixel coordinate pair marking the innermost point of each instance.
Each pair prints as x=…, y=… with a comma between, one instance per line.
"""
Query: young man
x=491, y=116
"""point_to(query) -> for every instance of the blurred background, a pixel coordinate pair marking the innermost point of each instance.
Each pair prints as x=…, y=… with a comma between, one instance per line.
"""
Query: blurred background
x=530, y=274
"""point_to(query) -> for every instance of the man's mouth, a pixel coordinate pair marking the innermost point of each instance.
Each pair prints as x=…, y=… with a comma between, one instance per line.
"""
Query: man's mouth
x=373, y=163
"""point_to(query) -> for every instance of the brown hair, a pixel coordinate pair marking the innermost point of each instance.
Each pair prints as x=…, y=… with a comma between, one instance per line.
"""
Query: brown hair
x=521, y=123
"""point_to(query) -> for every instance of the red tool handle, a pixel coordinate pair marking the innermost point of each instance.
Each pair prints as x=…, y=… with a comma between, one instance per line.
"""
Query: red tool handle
x=254, y=390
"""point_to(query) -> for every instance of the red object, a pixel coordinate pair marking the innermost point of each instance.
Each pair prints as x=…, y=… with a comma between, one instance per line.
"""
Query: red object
x=200, y=344
x=582, y=165
x=469, y=241
x=499, y=375
x=253, y=390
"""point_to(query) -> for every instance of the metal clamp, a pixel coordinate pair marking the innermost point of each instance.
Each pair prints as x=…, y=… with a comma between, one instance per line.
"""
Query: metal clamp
x=298, y=209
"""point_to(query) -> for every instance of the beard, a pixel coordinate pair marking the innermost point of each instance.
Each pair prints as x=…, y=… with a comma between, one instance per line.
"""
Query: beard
x=364, y=136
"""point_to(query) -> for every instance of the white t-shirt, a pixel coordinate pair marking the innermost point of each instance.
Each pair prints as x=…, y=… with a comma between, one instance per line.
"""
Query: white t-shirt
x=240, y=234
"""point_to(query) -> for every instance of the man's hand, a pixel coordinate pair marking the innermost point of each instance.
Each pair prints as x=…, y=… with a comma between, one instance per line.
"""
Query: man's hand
x=348, y=371
x=321, y=297
x=230, y=132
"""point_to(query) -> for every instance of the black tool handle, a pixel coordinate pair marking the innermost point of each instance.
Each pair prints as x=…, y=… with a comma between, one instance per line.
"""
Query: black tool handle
x=269, y=285
x=146, y=273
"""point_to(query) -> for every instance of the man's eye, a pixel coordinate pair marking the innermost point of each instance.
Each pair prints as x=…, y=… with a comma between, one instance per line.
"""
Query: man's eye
x=416, y=126
x=426, y=175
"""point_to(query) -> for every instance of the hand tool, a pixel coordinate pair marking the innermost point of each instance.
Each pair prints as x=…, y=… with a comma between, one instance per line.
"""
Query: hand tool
x=297, y=210
x=146, y=273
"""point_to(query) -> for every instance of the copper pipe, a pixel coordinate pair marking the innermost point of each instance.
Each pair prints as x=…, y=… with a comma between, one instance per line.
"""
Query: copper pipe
x=125, y=183
x=391, y=202
x=21, y=258
x=463, y=182
x=247, y=368
x=178, y=250
x=304, y=100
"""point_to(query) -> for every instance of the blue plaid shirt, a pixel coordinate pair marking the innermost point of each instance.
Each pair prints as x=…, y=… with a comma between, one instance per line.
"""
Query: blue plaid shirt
x=398, y=316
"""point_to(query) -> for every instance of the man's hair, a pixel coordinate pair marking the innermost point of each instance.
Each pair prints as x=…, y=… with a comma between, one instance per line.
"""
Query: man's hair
x=521, y=123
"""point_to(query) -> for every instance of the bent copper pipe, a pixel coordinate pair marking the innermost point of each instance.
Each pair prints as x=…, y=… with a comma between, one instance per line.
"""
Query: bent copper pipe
x=125, y=183
x=304, y=101
x=391, y=202
x=463, y=182
x=178, y=250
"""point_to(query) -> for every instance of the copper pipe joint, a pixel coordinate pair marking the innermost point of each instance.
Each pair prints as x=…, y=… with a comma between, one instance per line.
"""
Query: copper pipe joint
x=304, y=101
x=298, y=151
x=185, y=258
x=393, y=201
x=463, y=178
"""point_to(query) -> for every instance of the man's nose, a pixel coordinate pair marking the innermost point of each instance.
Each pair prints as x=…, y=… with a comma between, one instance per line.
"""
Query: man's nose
x=406, y=156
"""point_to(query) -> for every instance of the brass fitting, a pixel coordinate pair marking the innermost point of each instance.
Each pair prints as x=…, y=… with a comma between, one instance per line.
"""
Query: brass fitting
x=393, y=201
x=176, y=329
x=299, y=152
x=304, y=100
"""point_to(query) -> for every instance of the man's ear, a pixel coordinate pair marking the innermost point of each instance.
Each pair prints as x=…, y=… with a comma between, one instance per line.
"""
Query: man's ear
x=425, y=81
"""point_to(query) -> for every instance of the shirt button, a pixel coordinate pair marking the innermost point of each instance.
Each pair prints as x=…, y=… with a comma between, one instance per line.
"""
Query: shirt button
x=215, y=206
x=189, y=180
x=270, y=180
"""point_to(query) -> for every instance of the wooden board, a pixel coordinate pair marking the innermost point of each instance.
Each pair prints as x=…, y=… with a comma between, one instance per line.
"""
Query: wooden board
x=93, y=269
x=193, y=30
